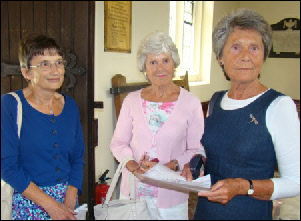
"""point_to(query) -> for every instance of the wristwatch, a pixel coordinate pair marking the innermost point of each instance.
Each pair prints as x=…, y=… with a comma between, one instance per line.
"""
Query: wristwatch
x=251, y=189
x=177, y=165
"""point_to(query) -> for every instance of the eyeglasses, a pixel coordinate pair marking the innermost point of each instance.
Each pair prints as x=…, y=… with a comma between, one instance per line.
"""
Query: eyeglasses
x=47, y=66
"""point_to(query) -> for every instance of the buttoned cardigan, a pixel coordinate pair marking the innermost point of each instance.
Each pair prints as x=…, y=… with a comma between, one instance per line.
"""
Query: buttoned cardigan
x=179, y=138
x=50, y=150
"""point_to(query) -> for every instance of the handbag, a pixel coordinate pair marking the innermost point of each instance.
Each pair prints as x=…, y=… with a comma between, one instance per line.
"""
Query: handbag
x=131, y=209
x=6, y=190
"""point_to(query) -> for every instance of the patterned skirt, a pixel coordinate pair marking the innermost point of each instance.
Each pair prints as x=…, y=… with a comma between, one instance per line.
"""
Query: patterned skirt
x=25, y=209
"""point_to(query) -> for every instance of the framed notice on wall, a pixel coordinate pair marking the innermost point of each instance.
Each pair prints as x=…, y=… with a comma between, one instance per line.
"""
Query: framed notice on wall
x=117, y=26
x=286, y=39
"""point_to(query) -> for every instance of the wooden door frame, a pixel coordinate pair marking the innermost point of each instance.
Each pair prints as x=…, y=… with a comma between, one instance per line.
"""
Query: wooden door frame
x=92, y=134
x=10, y=67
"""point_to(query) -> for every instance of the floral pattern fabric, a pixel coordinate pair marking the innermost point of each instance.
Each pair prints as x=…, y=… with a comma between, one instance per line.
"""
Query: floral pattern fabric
x=25, y=209
x=156, y=114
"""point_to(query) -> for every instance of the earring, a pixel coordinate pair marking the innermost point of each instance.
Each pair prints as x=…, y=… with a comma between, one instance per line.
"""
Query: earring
x=146, y=77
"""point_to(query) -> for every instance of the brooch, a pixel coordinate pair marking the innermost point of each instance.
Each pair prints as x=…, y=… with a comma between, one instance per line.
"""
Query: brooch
x=253, y=119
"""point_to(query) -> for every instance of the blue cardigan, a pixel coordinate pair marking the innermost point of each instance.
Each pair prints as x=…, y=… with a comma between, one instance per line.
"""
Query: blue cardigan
x=51, y=148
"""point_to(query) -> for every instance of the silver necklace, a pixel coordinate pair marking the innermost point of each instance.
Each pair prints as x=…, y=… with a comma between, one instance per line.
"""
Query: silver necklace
x=50, y=109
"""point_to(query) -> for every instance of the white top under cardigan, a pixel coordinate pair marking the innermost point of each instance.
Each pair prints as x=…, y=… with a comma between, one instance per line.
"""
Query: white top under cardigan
x=284, y=126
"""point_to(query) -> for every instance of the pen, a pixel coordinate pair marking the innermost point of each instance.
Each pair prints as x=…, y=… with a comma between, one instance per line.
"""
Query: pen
x=142, y=159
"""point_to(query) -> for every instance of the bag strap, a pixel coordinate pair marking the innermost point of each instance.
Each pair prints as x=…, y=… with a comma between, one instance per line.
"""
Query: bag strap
x=8, y=188
x=19, y=114
x=115, y=179
x=213, y=100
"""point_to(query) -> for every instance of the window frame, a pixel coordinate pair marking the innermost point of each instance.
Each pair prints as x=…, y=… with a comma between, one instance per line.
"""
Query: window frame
x=202, y=50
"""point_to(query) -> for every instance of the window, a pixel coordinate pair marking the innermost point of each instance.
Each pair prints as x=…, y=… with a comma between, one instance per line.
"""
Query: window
x=191, y=29
x=187, y=36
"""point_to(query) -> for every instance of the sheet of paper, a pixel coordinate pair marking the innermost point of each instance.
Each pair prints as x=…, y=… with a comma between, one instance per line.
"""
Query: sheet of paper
x=163, y=177
x=81, y=212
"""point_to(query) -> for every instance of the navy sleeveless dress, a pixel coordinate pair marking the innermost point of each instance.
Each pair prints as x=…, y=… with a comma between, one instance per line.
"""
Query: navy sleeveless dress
x=238, y=145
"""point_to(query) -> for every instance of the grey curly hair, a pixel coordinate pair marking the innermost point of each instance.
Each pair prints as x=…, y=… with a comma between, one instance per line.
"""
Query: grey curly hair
x=156, y=43
x=243, y=19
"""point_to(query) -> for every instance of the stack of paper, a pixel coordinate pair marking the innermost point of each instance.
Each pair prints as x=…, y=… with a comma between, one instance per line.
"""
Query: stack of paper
x=163, y=177
x=81, y=212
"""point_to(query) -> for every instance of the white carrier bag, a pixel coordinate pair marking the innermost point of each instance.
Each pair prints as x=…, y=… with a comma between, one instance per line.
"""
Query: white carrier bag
x=132, y=209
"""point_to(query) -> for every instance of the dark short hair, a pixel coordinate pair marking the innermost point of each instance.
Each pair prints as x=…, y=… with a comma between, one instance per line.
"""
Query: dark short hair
x=35, y=44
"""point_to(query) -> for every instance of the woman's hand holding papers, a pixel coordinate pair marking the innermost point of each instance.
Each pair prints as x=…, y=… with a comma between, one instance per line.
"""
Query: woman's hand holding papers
x=192, y=170
x=143, y=166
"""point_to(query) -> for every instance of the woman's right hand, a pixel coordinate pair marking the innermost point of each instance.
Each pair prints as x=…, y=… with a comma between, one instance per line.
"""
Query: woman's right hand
x=58, y=211
x=55, y=210
x=186, y=172
x=132, y=166
x=142, y=167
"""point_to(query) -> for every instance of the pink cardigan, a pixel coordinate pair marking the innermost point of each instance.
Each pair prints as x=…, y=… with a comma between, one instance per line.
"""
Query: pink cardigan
x=179, y=138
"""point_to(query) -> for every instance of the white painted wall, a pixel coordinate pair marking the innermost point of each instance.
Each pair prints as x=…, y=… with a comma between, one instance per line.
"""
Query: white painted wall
x=282, y=74
x=148, y=16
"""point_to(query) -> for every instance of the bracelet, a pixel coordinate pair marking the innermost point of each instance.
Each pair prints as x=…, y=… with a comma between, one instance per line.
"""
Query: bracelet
x=177, y=165
x=134, y=170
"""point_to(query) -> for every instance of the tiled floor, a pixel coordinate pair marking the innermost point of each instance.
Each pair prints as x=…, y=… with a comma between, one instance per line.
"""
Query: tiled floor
x=289, y=209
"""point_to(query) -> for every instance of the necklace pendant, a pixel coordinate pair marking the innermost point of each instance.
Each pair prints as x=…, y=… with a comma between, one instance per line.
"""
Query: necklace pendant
x=51, y=112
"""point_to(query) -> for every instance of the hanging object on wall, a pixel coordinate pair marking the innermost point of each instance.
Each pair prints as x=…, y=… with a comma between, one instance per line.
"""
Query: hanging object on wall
x=117, y=26
x=286, y=39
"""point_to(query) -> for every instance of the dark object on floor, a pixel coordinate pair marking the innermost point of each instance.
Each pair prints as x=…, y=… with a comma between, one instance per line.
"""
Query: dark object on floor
x=192, y=201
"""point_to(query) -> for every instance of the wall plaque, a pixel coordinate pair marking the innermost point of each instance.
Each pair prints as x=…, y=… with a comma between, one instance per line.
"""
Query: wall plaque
x=117, y=26
x=286, y=39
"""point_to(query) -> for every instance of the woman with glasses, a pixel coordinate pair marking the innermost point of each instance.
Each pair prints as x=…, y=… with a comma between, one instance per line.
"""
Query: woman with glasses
x=44, y=165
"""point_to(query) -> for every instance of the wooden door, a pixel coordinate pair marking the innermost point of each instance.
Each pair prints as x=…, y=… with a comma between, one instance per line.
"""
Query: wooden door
x=72, y=24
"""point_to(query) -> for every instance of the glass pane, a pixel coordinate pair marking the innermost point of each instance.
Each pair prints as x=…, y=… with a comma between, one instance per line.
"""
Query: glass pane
x=187, y=47
x=188, y=7
x=187, y=17
x=172, y=20
x=188, y=11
